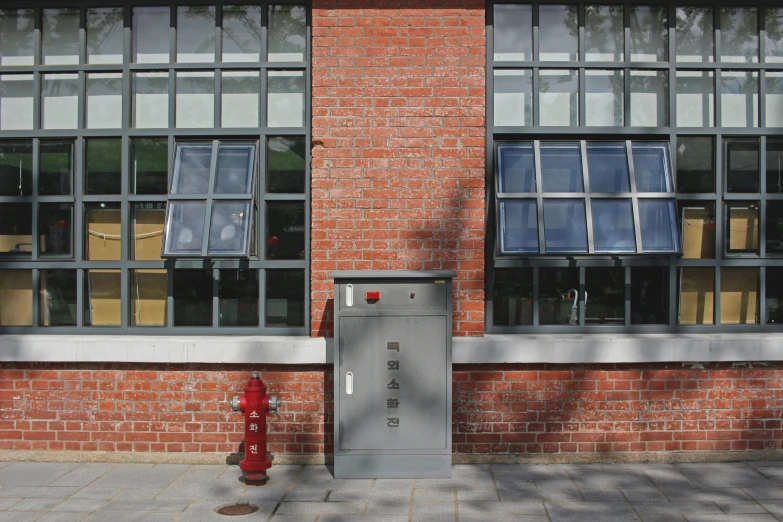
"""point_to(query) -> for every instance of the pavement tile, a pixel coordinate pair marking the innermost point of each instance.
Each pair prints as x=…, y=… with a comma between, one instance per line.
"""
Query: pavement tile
x=131, y=516
x=159, y=506
x=140, y=476
x=22, y=516
x=36, y=504
x=603, y=495
x=137, y=494
x=80, y=504
x=203, y=489
x=434, y=495
x=591, y=479
x=360, y=518
x=579, y=511
x=348, y=496
x=663, y=518
x=740, y=507
x=82, y=476
x=771, y=493
x=255, y=494
x=293, y=518
x=307, y=495
x=321, y=508
x=389, y=507
x=644, y=495
x=518, y=483
x=731, y=518
x=726, y=476
x=91, y=492
x=34, y=473
x=773, y=506
x=503, y=508
x=555, y=484
x=675, y=508
x=478, y=495
x=37, y=492
x=527, y=495
x=393, y=484
x=434, y=518
x=706, y=495
x=63, y=516
x=333, y=484
x=6, y=503
x=532, y=474
x=434, y=508
x=504, y=518
x=470, y=467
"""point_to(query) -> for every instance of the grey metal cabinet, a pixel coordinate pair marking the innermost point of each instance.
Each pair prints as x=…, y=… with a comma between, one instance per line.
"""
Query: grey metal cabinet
x=392, y=374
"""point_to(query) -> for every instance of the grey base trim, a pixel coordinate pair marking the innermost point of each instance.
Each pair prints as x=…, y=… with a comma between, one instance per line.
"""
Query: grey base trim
x=491, y=349
x=373, y=465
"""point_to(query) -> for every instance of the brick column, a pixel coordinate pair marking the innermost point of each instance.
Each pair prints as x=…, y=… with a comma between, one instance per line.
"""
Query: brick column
x=399, y=146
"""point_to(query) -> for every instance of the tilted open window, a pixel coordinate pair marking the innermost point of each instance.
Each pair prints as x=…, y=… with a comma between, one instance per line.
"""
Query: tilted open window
x=211, y=201
x=586, y=198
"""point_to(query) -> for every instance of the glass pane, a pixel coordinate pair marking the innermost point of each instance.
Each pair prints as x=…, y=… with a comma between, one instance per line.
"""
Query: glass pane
x=149, y=290
x=698, y=229
x=235, y=169
x=742, y=232
x=695, y=164
x=16, y=230
x=649, y=99
x=16, y=169
x=649, y=295
x=695, y=98
x=742, y=166
x=16, y=297
x=512, y=297
x=774, y=166
x=55, y=229
x=561, y=167
x=516, y=172
x=604, y=98
x=104, y=101
x=239, y=98
x=774, y=99
x=558, y=97
x=151, y=100
x=519, y=226
x=739, y=295
x=774, y=295
x=607, y=166
x=513, y=97
x=649, y=41
x=147, y=225
x=605, y=296
x=149, y=165
x=613, y=229
x=241, y=33
x=228, y=229
x=285, y=165
x=185, y=227
x=658, y=221
x=193, y=298
x=285, y=99
x=558, y=32
x=56, y=168
x=103, y=166
x=773, y=43
x=774, y=239
x=195, y=101
x=60, y=103
x=102, y=232
x=196, y=33
x=652, y=167
x=697, y=296
x=191, y=170
x=285, y=225
x=739, y=38
x=695, y=34
x=558, y=296
x=513, y=32
x=739, y=99
x=58, y=297
x=285, y=298
x=104, y=35
x=564, y=226
x=16, y=101
x=238, y=297
x=151, y=34
x=287, y=33
x=16, y=36
x=60, y=33
x=604, y=33
x=102, y=298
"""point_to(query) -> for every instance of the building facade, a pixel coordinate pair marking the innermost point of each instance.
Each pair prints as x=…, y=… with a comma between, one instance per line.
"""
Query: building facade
x=177, y=179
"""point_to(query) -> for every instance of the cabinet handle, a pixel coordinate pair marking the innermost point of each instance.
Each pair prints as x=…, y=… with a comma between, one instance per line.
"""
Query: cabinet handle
x=349, y=383
x=348, y=295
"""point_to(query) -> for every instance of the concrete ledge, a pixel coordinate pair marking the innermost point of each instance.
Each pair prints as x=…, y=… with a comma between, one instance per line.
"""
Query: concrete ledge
x=491, y=349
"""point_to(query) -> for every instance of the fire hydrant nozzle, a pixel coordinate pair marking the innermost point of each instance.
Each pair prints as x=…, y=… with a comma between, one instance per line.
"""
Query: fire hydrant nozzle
x=234, y=403
x=256, y=405
x=274, y=404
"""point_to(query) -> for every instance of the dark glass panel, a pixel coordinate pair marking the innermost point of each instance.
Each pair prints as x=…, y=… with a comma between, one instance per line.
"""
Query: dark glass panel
x=238, y=298
x=193, y=297
x=285, y=298
x=558, y=296
x=605, y=296
x=649, y=295
x=512, y=297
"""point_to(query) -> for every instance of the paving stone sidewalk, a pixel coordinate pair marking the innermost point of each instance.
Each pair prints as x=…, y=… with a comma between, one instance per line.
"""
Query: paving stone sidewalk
x=741, y=492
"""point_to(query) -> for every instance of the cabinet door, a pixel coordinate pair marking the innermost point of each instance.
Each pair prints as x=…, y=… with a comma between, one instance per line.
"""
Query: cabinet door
x=371, y=349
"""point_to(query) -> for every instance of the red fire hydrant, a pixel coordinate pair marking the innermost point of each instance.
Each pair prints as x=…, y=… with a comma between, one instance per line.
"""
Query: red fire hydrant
x=255, y=405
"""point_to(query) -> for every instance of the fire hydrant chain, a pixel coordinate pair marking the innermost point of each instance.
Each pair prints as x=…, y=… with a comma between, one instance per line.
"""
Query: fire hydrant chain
x=256, y=405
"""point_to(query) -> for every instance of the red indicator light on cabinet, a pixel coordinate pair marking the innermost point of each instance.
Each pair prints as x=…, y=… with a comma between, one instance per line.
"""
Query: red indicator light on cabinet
x=373, y=295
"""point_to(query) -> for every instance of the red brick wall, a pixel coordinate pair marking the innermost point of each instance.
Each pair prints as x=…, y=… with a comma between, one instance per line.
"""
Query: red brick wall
x=398, y=146
x=498, y=409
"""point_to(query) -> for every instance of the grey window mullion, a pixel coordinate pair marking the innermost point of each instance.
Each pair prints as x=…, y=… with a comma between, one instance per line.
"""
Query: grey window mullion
x=719, y=236
x=673, y=293
x=173, y=34
x=125, y=231
x=672, y=80
x=627, y=289
x=36, y=168
x=170, y=296
x=582, y=112
x=627, y=97
x=716, y=24
x=215, y=297
x=762, y=104
x=80, y=297
x=761, y=306
x=263, y=97
x=82, y=35
x=637, y=227
x=36, y=297
x=536, y=105
x=37, y=83
x=37, y=47
x=716, y=296
x=265, y=32
x=172, y=98
x=218, y=105
x=581, y=36
x=218, y=57
x=539, y=197
x=78, y=189
x=762, y=198
x=588, y=205
x=80, y=119
x=583, y=301
x=211, y=189
x=535, y=296
x=262, y=297
x=260, y=191
x=127, y=28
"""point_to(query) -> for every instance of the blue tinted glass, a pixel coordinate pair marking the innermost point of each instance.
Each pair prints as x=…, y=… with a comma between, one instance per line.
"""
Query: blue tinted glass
x=517, y=173
x=564, y=226
x=651, y=166
x=519, y=224
x=561, y=167
x=613, y=225
x=607, y=167
x=657, y=221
